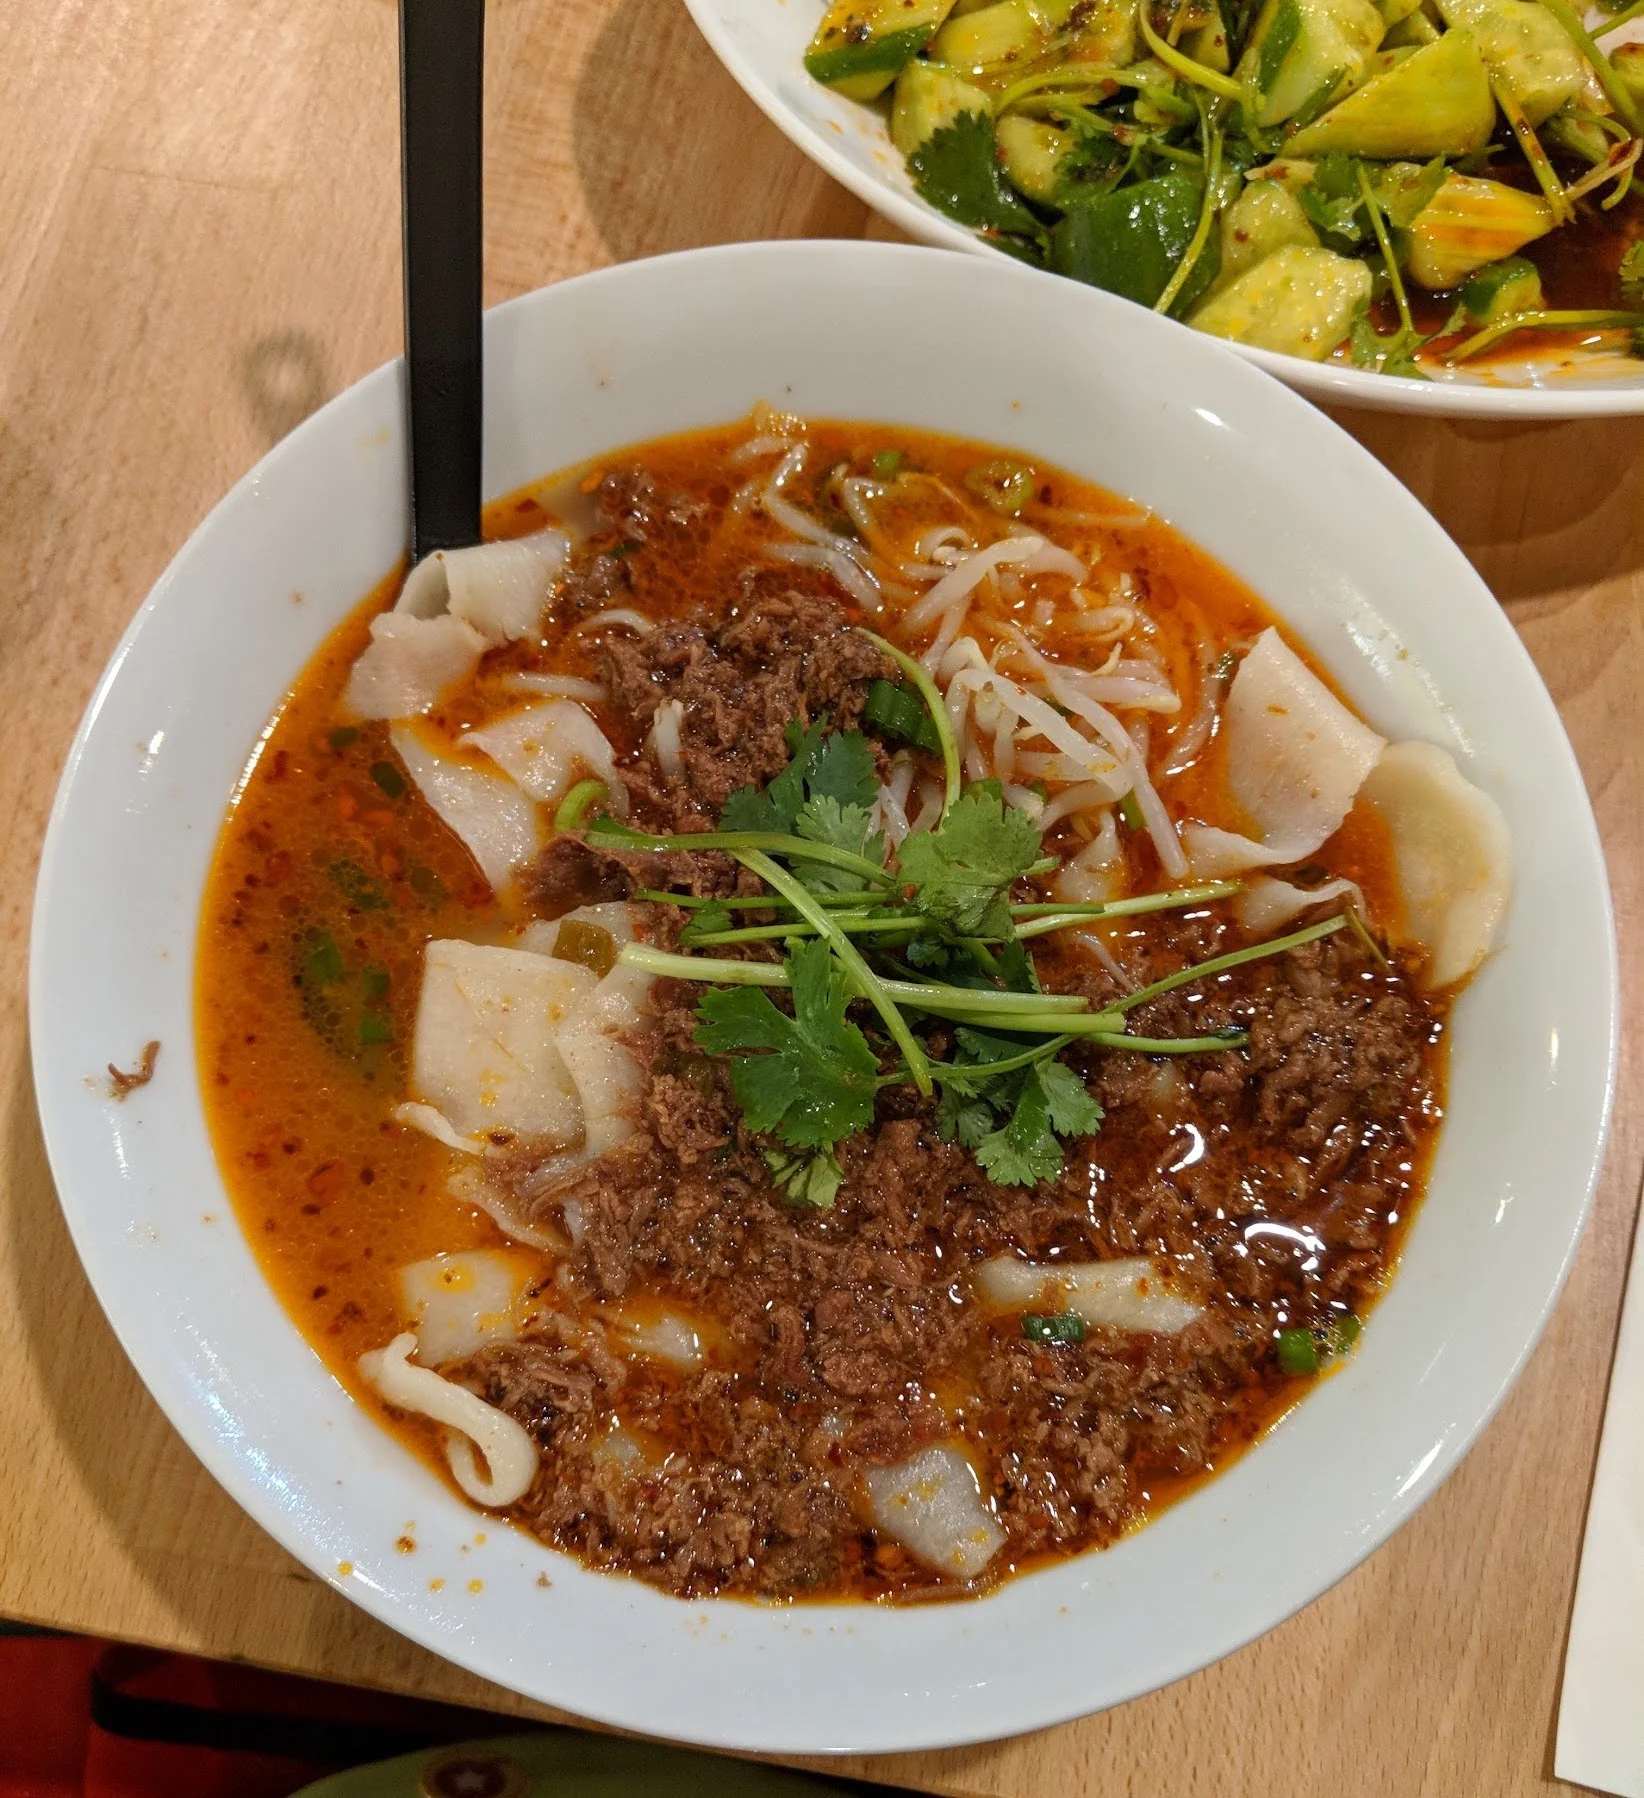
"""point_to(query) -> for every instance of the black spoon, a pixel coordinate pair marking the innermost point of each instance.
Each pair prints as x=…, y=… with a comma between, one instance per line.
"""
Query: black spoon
x=441, y=82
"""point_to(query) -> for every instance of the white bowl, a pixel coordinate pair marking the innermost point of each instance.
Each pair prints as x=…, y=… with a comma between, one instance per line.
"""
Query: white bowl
x=762, y=44
x=903, y=335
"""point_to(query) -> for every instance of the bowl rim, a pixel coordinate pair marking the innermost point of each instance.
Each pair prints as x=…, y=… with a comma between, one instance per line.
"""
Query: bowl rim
x=235, y=1471
x=1327, y=383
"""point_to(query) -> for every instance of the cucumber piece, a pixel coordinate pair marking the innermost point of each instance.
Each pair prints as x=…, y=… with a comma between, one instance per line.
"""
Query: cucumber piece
x=1130, y=241
x=1302, y=48
x=1470, y=222
x=1298, y=301
x=1526, y=49
x=1264, y=218
x=1004, y=32
x=928, y=97
x=1435, y=101
x=1032, y=153
x=1503, y=287
x=862, y=45
x=1097, y=30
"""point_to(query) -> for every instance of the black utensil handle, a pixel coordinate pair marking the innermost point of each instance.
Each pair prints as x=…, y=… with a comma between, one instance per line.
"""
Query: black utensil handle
x=442, y=54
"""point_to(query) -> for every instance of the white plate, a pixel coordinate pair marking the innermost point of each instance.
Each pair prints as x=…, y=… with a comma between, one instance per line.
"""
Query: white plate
x=1257, y=477
x=762, y=43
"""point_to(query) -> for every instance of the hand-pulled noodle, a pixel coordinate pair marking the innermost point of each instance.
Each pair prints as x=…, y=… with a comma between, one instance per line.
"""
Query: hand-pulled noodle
x=484, y=1053
x=510, y=1454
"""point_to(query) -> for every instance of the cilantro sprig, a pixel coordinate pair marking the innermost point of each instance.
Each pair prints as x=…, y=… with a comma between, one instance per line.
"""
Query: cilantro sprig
x=933, y=938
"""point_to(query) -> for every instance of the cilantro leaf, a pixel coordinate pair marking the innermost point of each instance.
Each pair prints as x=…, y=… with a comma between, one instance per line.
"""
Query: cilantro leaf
x=706, y=920
x=962, y=1119
x=1053, y=1101
x=1332, y=200
x=816, y=1084
x=957, y=170
x=1632, y=272
x=841, y=767
x=1405, y=190
x=837, y=766
x=1025, y=1151
x=823, y=819
x=964, y=867
x=811, y=1182
x=1394, y=354
x=1073, y=1112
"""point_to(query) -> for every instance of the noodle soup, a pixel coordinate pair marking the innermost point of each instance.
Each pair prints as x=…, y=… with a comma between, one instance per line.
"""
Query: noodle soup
x=833, y=1012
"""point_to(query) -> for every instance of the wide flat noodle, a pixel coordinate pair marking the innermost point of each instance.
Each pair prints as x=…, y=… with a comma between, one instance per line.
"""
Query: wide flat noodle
x=1296, y=758
x=409, y=663
x=1453, y=855
x=460, y=1302
x=484, y=1052
x=498, y=823
x=500, y=589
x=1267, y=904
x=547, y=748
x=933, y=1506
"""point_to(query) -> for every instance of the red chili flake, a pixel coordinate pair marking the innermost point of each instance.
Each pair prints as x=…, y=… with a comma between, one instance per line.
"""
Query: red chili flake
x=326, y=1180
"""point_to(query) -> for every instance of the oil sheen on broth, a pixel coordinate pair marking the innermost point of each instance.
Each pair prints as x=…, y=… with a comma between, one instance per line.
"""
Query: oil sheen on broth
x=818, y=1351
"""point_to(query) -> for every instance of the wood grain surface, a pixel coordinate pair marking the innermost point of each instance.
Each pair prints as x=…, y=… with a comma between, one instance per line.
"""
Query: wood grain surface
x=200, y=244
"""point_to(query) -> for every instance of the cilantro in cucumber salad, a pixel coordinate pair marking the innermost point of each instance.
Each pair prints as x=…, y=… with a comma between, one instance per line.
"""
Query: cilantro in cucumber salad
x=1405, y=185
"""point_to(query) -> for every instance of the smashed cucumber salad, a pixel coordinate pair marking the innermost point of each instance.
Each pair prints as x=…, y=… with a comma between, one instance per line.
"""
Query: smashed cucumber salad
x=1356, y=179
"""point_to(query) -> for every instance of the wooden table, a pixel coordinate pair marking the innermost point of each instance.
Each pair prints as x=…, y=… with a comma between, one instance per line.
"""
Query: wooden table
x=201, y=242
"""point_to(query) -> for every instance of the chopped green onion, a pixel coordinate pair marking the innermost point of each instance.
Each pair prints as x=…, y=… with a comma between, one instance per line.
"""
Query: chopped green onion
x=375, y=1029
x=887, y=464
x=1130, y=811
x=1343, y=1333
x=375, y=982
x=1064, y=1326
x=917, y=673
x=342, y=736
x=588, y=945
x=573, y=808
x=1298, y=1353
x=389, y=778
x=900, y=712
x=1004, y=485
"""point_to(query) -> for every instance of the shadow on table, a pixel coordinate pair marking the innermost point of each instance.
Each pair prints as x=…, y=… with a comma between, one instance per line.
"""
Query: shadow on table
x=1538, y=509
x=653, y=177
